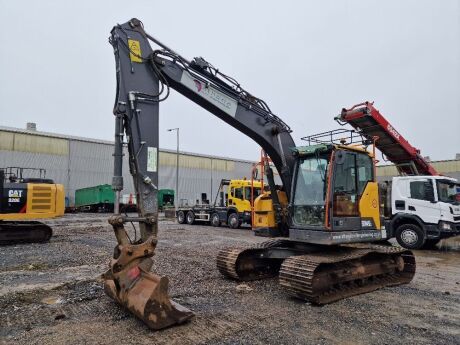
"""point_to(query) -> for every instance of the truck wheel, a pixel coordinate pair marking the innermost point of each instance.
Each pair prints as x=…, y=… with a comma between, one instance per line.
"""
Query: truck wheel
x=410, y=236
x=215, y=220
x=431, y=243
x=181, y=217
x=190, y=217
x=233, y=221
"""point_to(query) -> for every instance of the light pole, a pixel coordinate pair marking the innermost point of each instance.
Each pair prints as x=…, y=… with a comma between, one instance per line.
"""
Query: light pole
x=176, y=203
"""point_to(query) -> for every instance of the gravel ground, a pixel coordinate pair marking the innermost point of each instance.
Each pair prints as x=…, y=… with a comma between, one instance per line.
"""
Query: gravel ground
x=52, y=294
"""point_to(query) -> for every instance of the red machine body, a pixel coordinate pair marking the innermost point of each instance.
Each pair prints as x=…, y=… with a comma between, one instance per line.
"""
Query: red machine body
x=366, y=119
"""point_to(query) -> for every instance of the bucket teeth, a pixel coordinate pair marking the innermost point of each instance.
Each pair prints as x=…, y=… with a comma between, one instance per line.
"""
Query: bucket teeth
x=146, y=296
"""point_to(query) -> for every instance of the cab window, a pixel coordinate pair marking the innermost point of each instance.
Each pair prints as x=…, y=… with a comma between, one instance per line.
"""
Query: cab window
x=418, y=189
x=247, y=193
x=365, y=171
x=238, y=193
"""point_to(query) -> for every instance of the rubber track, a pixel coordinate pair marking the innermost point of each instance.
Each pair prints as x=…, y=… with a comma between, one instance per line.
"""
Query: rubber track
x=297, y=273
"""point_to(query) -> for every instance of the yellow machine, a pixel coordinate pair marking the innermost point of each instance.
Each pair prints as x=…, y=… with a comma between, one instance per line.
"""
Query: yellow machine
x=342, y=188
x=264, y=213
x=239, y=194
x=24, y=199
x=232, y=205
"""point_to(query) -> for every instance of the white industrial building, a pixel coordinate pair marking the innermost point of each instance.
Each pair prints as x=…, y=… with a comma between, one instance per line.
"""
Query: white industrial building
x=80, y=162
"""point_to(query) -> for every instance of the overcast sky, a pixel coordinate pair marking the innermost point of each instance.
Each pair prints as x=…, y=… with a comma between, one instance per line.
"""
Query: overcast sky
x=306, y=59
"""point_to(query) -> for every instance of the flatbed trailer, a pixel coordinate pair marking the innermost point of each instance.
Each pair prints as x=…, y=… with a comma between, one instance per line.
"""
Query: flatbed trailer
x=231, y=207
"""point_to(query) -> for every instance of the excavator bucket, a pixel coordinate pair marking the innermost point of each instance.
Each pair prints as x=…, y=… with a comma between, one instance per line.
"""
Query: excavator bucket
x=146, y=296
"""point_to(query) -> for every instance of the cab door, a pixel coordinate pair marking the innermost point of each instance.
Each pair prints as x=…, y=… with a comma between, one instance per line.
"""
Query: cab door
x=353, y=171
x=421, y=200
x=236, y=198
x=345, y=201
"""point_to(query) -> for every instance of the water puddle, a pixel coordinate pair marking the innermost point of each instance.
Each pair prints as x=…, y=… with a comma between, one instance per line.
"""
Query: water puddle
x=52, y=300
x=450, y=245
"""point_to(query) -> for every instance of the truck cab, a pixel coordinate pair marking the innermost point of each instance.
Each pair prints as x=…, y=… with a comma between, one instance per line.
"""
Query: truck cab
x=424, y=210
x=232, y=205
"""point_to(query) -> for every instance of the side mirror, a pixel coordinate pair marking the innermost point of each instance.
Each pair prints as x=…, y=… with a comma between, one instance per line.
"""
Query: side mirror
x=429, y=191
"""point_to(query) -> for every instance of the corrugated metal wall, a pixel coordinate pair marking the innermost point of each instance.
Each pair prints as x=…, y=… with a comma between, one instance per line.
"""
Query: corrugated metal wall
x=448, y=168
x=78, y=164
x=56, y=165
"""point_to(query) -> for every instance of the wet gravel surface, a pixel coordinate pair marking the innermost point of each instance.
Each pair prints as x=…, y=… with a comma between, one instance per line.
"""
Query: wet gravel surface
x=52, y=294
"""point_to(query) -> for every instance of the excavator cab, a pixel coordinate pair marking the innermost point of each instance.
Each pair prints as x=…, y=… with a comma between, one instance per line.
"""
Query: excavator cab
x=335, y=197
x=335, y=189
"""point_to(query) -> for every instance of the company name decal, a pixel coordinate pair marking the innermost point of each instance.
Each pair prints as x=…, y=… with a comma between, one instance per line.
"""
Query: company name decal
x=393, y=131
x=14, y=195
x=211, y=94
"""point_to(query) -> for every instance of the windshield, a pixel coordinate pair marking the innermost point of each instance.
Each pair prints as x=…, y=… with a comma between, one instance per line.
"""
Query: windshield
x=448, y=191
x=310, y=191
x=247, y=193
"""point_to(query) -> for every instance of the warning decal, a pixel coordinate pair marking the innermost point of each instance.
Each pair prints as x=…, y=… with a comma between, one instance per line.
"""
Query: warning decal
x=135, y=53
x=152, y=159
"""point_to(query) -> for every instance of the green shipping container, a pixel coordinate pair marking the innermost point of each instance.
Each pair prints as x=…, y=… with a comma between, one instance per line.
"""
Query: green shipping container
x=102, y=194
x=165, y=198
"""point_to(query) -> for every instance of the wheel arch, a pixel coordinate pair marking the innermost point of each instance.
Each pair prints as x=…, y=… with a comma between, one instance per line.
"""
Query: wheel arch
x=405, y=218
x=231, y=210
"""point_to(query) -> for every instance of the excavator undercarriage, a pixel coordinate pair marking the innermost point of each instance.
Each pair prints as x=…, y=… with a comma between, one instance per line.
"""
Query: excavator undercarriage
x=320, y=274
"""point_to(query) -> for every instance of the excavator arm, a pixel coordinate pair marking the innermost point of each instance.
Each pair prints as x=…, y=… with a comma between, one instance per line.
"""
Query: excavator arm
x=144, y=79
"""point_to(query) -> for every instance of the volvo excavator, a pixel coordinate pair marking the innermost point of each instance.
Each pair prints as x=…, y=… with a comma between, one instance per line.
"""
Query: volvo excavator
x=323, y=219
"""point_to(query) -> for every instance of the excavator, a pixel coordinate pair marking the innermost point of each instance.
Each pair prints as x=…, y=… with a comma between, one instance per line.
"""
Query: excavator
x=322, y=220
x=24, y=199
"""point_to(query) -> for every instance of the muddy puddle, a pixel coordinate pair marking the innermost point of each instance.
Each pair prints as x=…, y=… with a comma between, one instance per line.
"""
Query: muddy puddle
x=450, y=245
x=446, y=252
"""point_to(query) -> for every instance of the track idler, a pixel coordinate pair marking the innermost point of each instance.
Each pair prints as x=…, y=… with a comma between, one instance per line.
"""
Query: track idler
x=130, y=283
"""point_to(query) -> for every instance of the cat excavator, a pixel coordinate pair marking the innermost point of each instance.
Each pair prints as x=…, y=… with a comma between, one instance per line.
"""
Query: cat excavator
x=321, y=221
x=25, y=199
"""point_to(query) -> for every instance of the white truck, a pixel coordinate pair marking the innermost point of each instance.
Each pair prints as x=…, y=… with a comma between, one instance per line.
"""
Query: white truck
x=421, y=210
